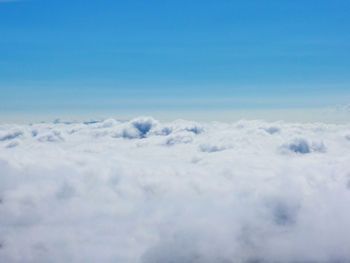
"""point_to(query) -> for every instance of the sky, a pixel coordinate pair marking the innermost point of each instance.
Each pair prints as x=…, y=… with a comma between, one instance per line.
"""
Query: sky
x=89, y=57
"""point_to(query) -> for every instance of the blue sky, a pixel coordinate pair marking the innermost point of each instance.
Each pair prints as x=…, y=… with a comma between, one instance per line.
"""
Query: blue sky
x=138, y=56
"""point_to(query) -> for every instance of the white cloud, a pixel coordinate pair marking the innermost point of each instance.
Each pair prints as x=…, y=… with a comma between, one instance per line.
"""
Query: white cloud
x=146, y=191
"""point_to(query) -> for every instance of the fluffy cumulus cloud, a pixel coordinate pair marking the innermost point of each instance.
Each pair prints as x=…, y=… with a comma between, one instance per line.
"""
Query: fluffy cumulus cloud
x=151, y=192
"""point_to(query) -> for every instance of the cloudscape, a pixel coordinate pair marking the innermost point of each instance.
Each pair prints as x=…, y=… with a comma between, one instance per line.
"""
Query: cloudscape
x=160, y=131
x=146, y=191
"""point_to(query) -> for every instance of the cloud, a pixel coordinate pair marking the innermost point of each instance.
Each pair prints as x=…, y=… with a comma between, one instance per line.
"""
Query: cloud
x=301, y=146
x=147, y=191
x=10, y=135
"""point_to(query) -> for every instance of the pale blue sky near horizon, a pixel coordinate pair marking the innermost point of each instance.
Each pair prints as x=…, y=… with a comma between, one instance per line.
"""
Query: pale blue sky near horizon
x=89, y=56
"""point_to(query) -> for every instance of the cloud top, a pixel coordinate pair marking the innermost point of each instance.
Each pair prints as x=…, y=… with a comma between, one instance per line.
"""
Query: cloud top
x=146, y=191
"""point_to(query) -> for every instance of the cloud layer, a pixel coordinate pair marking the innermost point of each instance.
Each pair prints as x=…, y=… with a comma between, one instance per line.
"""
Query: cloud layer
x=149, y=192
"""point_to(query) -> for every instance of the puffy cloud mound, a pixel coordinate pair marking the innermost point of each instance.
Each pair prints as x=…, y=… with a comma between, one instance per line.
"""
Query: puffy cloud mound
x=145, y=191
x=302, y=146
